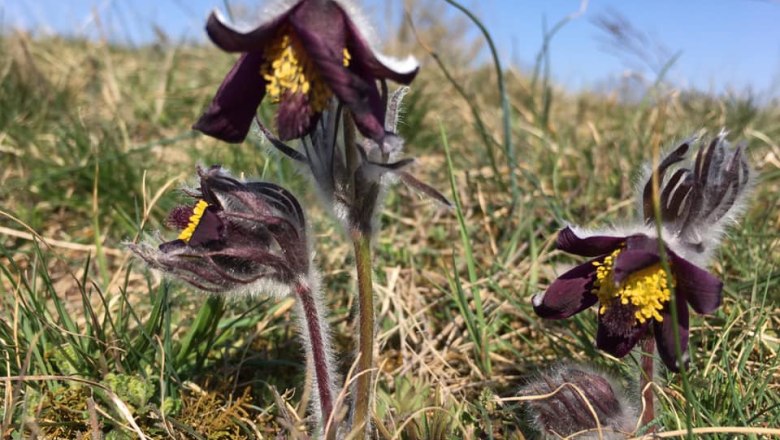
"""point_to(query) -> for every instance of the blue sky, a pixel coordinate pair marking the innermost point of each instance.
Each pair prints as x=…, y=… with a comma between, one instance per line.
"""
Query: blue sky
x=724, y=45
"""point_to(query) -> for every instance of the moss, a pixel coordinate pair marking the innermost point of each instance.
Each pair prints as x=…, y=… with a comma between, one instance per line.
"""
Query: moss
x=133, y=390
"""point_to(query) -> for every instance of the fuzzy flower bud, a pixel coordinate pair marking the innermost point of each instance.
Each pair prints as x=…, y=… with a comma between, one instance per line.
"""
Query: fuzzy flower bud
x=250, y=237
x=237, y=237
x=577, y=396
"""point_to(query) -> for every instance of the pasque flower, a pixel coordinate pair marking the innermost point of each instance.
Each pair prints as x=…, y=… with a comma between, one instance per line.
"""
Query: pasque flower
x=571, y=400
x=304, y=52
x=237, y=236
x=625, y=275
x=249, y=237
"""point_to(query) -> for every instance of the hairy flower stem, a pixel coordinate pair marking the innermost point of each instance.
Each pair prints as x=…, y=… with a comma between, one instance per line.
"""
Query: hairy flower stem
x=362, y=399
x=645, y=378
x=317, y=350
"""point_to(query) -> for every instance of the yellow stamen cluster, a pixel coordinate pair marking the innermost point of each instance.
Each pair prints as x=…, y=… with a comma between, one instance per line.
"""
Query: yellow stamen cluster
x=288, y=69
x=197, y=214
x=647, y=289
x=347, y=57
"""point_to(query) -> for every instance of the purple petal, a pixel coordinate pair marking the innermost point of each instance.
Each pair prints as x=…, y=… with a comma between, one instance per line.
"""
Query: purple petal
x=630, y=261
x=169, y=246
x=294, y=117
x=231, y=40
x=216, y=185
x=252, y=258
x=281, y=199
x=619, y=345
x=592, y=246
x=325, y=19
x=368, y=111
x=641, y=242
x=675, y=156
x=364, y=56
x=701, y=289
x=210, y=228
x=230, y=113
x=664, y=334
x=214, y=179
x=324, y=36
x=569, y=294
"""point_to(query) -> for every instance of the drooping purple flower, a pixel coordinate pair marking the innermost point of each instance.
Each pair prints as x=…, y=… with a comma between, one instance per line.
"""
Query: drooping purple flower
x=299, y=57
x=250, y=237
x=625, y=275
x=236, y=236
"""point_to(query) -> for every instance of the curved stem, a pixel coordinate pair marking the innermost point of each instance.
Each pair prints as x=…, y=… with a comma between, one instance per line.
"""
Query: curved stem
x=317, y=350
x=362, y=399
x=506, y=118
x=678, y=351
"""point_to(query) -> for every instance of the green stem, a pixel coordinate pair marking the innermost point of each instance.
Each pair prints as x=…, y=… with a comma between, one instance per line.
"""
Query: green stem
x=362, y=397
x=506, y=118
x=673, y=298
x=646, y=376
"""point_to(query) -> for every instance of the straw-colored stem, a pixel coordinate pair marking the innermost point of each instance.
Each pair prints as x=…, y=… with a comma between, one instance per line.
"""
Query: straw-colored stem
x=645, y=378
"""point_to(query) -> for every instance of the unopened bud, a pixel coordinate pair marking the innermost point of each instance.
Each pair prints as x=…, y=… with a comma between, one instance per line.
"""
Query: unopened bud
x=574, y=400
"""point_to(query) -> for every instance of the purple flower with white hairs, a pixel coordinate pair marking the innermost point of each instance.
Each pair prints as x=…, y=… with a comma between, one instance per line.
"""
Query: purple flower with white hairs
x=250, y=237
x=303, y=53
x=572, y=400
x=237, y=236
x=625, y=275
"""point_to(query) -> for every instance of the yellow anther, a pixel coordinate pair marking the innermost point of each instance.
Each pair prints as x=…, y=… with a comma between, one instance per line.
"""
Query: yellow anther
x=288, y=69
x=197, y=214
x=347, y=57
x=647, y=289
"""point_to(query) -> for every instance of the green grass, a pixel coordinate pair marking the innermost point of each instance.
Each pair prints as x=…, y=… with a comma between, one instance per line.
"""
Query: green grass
x=95, y=139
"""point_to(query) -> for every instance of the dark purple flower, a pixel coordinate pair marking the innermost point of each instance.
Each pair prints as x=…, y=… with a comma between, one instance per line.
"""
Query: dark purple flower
x=632, y=290
x=237, y=236
x=250, y=237
x=300, y=57
x=625, y=275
